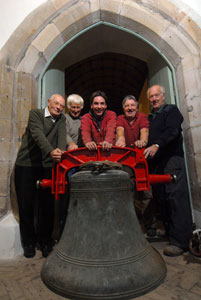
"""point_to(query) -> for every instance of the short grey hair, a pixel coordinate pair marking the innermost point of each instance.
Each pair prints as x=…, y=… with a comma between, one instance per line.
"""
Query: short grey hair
x=129, y=97
x=77, y=99
x=162, y=89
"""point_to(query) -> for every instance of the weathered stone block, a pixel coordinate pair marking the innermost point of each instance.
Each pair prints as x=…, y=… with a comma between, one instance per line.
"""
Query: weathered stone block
x=66, y=4
x=53, y=47
x=6, y=80
x=20, y=130
x=145, y=15
x=3, y=205
x=195, y=185
x=45, y=37
x=192, y=85
x=58, y=4
x=22, y=110
x=6, y=107
x=72, y=14
x=76, y=17
x=39, y=67
x=4, y=182
x=5, y=131
x=5, y=151
x=191, y=62
x=24, y=86
x=35, y=103
x=75, y=28
x=168, y=9
x=188, y=142
x=31, y=58
x=110, y=17
x=63, y=21
x=179, y=41
x=113, y=6
x=196, y=137
x=191, y=28
x=194, y=107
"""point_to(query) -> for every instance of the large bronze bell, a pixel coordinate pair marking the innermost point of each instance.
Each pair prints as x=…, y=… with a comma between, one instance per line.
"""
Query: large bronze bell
x=102, y=253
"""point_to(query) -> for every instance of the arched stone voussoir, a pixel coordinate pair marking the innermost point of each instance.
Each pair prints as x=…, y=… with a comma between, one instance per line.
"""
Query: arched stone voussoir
x=180, y=41
x=73, y=20
x=67, y=4
x=33, y=62
x=48, y=41
x=159, y=28
x=145, y=16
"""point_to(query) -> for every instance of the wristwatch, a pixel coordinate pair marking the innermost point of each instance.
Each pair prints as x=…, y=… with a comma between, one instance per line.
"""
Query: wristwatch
x=157, y=145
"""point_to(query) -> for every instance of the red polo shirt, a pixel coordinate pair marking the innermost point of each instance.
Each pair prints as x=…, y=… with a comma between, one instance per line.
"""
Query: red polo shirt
x=132, y=132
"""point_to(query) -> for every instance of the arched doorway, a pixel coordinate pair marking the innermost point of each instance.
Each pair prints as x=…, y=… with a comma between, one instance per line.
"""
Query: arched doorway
x=96, y=59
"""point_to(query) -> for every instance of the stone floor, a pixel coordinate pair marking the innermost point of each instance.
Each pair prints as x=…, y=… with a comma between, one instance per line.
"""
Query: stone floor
x=20, y=279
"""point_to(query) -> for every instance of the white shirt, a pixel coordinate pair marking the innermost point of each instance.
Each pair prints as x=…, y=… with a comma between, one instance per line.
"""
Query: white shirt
x=48, y=114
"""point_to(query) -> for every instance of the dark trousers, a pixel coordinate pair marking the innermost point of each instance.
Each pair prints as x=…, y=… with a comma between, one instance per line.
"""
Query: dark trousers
x=172, y=201
x=64, y=200
x=36, y=207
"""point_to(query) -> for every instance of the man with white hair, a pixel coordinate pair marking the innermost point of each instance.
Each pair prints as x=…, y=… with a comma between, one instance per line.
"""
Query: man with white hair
x=75, y=104
x=43, y=143
x=165, y=155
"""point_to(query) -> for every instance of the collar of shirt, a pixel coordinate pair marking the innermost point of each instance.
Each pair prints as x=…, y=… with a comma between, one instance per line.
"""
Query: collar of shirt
x=48, y=114
x=154, y=113
x=97, y=120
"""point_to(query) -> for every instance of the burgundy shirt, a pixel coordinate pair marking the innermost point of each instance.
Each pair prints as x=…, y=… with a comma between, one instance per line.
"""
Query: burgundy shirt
x=132, y=132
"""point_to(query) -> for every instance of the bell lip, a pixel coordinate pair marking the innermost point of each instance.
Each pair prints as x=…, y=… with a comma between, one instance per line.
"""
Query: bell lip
x=137, y=291
x=115, y=296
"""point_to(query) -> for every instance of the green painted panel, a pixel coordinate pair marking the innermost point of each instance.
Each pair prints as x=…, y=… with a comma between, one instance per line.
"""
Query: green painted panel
x=160, y=73
x=53, y=82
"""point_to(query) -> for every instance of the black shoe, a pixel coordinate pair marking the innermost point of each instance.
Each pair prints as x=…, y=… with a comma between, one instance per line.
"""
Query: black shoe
x=29, y=251
x=46, y=249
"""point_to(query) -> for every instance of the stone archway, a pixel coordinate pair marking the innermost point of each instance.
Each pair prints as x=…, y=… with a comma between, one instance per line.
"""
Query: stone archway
x=50, y=26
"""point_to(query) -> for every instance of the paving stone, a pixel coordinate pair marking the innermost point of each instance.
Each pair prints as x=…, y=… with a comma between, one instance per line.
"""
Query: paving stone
x=196, y=290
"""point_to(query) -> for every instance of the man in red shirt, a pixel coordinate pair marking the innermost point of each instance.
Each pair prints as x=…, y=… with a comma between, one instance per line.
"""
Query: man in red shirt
x=98, y=126
x=132, y=127
x=132, y=130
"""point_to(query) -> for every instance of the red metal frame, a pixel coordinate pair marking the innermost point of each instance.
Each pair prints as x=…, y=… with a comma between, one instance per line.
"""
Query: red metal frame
x=132, y=158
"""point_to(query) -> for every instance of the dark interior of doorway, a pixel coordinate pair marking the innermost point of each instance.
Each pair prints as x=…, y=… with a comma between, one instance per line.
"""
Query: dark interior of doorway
x=116, y=74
